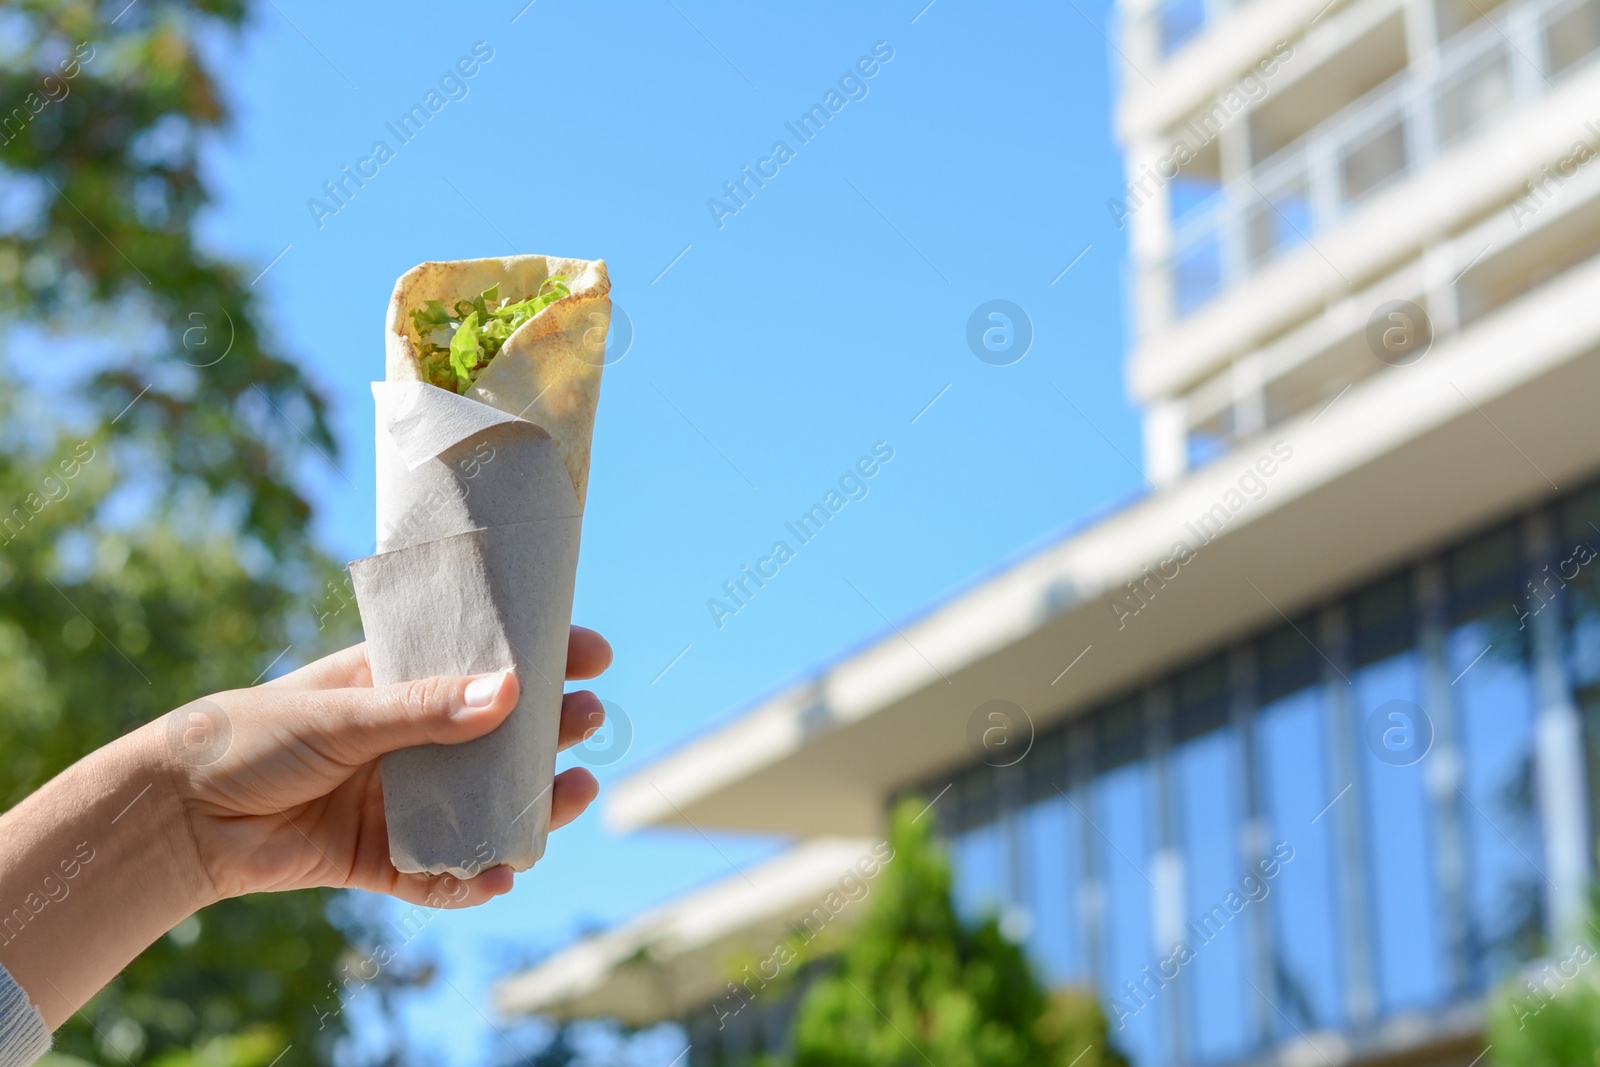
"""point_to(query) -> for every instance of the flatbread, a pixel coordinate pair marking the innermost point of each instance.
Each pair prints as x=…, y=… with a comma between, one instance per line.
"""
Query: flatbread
x=548, y=371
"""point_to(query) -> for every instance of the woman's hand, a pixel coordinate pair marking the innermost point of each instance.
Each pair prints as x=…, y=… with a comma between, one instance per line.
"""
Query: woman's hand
x=274, y=787
x=280, y=785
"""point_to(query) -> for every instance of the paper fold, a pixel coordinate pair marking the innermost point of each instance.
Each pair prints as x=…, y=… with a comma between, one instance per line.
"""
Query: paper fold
x=425, y=421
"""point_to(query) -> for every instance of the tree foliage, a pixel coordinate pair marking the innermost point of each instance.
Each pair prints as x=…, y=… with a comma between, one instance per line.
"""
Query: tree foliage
x=154, y=546
x=918, y=985
x=1548, y=1015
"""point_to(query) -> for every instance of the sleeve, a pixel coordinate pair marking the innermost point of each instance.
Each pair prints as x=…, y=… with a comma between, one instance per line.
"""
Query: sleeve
x=24, y=1038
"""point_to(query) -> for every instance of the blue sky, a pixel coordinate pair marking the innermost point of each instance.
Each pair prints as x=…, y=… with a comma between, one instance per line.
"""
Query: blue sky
x=768, y=354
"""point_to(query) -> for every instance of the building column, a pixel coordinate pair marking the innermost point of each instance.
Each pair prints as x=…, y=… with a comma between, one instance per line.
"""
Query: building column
x=1324, y=187
x=1562, y=779
x=1144, y=208
x=1528, y=59
x=1442, y=265
x=1422, y=58
x=1166, y=441
x=1141, y=39
x=1239, y=199
x=1249, y=381
x=1422, y=31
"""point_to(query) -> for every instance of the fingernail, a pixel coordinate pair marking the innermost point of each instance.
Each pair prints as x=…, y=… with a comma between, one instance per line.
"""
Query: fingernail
x=481, y=692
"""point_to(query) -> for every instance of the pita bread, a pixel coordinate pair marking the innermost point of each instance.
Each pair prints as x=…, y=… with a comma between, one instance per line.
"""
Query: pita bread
x=548, y=371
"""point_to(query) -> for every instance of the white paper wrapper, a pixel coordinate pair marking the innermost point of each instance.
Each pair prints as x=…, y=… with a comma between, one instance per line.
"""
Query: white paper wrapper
x=479, y=515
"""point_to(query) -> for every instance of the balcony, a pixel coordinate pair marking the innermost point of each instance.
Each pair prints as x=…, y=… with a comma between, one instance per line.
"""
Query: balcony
x=1516, y=55
x=1177, y=22
x=1502, y=269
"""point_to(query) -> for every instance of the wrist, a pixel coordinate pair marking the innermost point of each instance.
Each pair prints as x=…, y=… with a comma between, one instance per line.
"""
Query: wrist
x=98, y=864
x=158, y=801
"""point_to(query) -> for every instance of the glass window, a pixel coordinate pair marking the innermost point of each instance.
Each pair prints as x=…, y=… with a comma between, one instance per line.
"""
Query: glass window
x=1135, y=995
x=1197, y=271
x=1373, y=158
x=1571, y=36
x=1296, y=788
x=1580, y=542
x=1216, y=901
x=1052, y=841
x=1280, y=220
x=978, y=859
x=1076, y=879
x=1470, y=96
x=1190, y=193
x=1209, y=441
x=1206, y=778
x=1453, y=16
x=1406, y=940
x=1178, y=21
x=1505, y=876
x=1486, y=659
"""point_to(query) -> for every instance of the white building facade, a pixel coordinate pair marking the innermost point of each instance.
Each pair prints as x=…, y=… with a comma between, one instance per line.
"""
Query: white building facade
x=1296, y=758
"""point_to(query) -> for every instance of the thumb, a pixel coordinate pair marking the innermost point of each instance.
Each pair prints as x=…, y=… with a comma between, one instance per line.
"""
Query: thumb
x=356, y=726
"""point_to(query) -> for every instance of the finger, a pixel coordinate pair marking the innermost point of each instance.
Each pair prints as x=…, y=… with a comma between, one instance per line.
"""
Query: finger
x=356, y=726
x=573, y=792
x=588, y=654
x=581, y=715
x=346, y=669
x=448, y=891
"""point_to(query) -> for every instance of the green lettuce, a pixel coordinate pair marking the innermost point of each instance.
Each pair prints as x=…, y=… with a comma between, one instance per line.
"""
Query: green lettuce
x=456, y=345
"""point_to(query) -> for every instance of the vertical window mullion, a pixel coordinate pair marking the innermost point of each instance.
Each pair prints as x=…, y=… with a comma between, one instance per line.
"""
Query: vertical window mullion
x=1010, y=785
x=1560, y=773
x=1242, y=702
x=1443, y=777
x=1089, y=900
x=1334, y=640
x=1166, y=902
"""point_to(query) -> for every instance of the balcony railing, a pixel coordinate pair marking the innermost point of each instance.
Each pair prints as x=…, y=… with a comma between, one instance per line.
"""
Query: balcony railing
x=1513, y=56
x=1179, y=21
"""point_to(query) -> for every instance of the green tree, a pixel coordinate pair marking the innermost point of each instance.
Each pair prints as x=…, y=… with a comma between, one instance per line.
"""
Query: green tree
x=1549, y=1014
x=918, y=985
x=154, y=546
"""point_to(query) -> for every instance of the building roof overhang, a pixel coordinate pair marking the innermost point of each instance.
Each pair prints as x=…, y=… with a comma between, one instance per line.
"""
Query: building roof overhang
x=1406, y=459
x=674, y=959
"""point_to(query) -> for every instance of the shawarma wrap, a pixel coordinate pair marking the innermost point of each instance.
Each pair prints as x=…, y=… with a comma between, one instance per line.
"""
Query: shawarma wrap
x=484, y=424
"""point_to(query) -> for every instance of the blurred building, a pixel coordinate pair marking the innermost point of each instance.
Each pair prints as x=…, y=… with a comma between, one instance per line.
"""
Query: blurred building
x=1297, y=757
